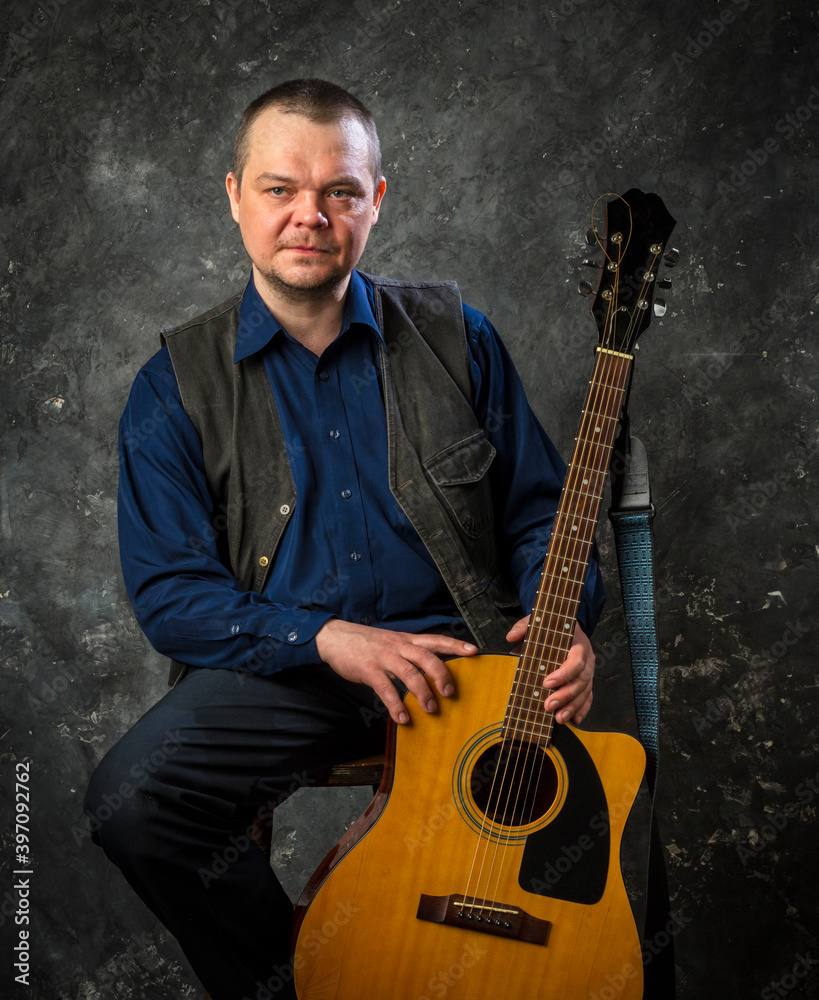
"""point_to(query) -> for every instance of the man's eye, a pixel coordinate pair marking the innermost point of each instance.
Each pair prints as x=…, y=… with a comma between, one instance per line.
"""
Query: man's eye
x=276, y=190
x=339, y=193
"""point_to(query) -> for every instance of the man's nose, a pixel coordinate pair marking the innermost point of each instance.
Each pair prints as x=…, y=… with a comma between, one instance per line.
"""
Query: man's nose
x=307, y=211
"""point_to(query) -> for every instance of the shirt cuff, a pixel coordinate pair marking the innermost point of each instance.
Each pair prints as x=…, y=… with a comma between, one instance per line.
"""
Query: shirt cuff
x=251, y=642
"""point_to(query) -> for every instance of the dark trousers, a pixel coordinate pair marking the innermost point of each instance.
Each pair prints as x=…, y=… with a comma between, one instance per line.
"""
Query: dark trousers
x=171, y=805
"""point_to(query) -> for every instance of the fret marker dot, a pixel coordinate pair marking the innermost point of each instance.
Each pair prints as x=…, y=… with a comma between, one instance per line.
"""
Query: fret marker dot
x=534, y=694
x=566, y=625
x=596, y=430
x=543, y=666
x=565, y=569
x=537, y=619
x=574, y=527
x=585, y=482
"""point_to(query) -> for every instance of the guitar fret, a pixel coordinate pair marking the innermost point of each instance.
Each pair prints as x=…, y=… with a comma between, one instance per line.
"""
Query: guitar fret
x=599, y=416
x=554, y=569
x=529, y=703
x=528, y=723
x=580, y=490
x=592, y=441
x=581, y=517
x=565, y=584
x=551, y=628
x=563, y=574
x=561, y=651
x=590, y=463
x=540, y=716
x=535, y=672
x=541, y=723
x=544, y=614
x=565, y=559
x=564, y=578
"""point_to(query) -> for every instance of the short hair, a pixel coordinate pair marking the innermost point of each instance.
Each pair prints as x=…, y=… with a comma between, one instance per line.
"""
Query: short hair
x=318, y=100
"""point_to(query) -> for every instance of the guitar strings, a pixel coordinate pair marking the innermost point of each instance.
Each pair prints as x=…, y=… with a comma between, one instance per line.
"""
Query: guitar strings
x=556, y=602
x=521, y=760
x=566, y=597
x=525, y=736
x=563, y=601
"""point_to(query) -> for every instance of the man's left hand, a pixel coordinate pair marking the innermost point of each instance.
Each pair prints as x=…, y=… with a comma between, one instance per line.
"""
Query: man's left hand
x=570, y=686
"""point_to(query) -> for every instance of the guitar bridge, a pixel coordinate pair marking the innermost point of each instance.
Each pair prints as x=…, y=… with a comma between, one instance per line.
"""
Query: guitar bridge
x=484, y=915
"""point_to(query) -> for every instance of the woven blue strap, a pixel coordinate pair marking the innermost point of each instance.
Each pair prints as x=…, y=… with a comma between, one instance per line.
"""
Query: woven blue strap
x=631, y=522
x=632, y=535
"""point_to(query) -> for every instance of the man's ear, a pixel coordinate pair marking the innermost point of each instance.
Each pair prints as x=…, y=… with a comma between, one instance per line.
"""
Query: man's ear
x=379, y=194
x=232, y=185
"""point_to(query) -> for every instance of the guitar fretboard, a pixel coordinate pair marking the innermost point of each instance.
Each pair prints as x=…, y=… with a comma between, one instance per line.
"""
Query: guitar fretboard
x=551, y=626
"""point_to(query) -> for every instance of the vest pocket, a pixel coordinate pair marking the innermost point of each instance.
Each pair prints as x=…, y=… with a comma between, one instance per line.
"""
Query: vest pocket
x=459, y=475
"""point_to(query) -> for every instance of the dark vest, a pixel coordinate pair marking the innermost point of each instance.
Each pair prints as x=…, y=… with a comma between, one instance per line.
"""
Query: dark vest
x=438, y=458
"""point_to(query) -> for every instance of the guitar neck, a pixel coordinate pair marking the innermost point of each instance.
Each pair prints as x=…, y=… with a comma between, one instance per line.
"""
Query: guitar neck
x=551, y=626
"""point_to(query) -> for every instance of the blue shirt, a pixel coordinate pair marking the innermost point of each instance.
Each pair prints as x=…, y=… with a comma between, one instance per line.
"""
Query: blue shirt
x=349, y=550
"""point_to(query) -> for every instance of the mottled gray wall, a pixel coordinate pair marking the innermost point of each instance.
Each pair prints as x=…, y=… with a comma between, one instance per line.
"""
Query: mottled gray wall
x=500, y=124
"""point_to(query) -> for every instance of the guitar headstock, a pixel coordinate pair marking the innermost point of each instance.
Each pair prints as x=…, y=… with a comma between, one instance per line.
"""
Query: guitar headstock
x=636, y=232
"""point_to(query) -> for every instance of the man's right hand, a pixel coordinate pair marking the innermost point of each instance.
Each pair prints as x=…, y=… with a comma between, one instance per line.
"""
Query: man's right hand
x=376, y=656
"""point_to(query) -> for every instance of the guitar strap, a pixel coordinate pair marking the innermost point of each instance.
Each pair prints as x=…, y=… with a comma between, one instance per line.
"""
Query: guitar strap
x=631, y=514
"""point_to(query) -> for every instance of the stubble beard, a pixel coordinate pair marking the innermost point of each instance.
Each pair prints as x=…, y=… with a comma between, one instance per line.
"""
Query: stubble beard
x=317, y=289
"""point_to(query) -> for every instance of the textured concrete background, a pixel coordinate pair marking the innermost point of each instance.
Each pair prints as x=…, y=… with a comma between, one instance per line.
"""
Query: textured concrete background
x=501, y=123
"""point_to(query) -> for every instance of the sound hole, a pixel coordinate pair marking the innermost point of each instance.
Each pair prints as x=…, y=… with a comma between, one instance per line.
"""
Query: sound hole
x=513, y=783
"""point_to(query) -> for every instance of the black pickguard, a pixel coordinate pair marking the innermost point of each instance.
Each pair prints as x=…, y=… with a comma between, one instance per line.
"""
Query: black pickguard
x=569, y=858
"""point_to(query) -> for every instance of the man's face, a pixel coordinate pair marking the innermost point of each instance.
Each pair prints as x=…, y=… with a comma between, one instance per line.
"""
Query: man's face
x=307, y=202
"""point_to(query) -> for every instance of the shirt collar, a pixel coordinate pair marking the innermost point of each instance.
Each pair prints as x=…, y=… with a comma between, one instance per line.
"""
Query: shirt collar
x=258, y=326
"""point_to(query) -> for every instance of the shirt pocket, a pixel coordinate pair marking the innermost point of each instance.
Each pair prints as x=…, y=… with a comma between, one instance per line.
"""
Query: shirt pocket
x=459, y=476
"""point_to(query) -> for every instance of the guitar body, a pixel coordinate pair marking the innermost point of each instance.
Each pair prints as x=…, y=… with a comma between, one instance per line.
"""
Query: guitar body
x=461, y=882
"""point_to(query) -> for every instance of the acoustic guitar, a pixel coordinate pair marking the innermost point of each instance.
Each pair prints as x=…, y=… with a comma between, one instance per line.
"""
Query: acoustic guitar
x=487, y=865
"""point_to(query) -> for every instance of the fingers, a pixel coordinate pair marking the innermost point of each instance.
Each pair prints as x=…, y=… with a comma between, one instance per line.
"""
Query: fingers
x=570, y=686
x=418, y=664
x=443, y=644
x=518, y=630
x=571, y=702
x=413, y=668
x=376, y=657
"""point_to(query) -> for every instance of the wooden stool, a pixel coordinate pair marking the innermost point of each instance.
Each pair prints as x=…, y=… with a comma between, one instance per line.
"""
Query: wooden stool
x=364, y=771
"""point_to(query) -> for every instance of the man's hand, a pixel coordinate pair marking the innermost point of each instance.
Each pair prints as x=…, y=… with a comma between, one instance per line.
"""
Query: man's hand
x=374, y=656
x=571, y=684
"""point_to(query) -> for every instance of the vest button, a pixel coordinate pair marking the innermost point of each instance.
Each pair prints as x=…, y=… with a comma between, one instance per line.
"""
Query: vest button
x=355, y=556
x=284, y=509
x=264, y=561
x=323, y=376
x=335, y=435
x=346, y=494
x=293, y=636
x=364, y=619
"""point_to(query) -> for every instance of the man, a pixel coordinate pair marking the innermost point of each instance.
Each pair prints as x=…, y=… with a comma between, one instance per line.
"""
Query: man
x=329, y=484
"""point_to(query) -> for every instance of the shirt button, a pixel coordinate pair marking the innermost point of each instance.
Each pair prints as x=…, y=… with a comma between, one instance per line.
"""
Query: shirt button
x=234, y=629
x=364, y=619
x=264, y=561
x=346, y=494
x=355, y=556
x=284, y=509
x=324, y=376
x=293, y=636
x=335, y=435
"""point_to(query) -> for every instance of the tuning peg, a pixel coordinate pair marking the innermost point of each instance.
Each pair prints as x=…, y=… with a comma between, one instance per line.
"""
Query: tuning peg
x=585, y=288
x=660, y=307
x=592, y=238
x=671, y=257
x=591, y=263
x=664, y=283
